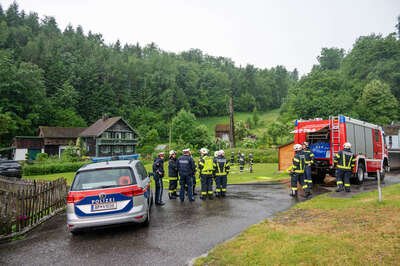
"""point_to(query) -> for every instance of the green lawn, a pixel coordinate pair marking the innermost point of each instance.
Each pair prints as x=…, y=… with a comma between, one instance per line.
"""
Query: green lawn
x=265, y=119
x=261, y=172
x=322, y=231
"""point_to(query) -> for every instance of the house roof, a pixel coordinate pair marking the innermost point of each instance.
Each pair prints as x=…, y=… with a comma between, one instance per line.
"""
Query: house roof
x=222, y=127
x=391, y=130
x=60, y=132
x=102, y=125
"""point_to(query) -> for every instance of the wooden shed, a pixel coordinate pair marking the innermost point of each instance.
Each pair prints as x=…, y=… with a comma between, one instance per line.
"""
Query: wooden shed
x=285, y=156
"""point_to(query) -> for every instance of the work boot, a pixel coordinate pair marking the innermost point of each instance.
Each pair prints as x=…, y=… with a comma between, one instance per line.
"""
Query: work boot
x=202, y=197
x=339, y=189
x=223, y=194
x=293, y=193
x=210, y=197
x=347, y=189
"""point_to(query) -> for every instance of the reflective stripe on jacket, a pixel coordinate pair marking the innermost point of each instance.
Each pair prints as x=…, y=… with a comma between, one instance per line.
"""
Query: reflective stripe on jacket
x=345, y=159
x=298, y=162
x=221, y=166
x=309, y=157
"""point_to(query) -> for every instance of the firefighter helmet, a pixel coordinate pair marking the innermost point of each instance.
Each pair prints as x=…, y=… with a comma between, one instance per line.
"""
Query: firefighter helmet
x=203, y=151
x=297, y=147
x=305, y=144
x=347, y=145
x=160, y=154
x=221, y=153
x=171, y=152
x=216, y=154
x=186, y=151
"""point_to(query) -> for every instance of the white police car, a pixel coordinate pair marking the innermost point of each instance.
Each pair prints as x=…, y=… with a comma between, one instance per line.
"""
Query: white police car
x=107, y=193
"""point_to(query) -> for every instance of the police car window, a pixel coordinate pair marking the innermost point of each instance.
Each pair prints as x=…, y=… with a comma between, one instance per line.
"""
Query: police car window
x=141, y=170
x=103, y=178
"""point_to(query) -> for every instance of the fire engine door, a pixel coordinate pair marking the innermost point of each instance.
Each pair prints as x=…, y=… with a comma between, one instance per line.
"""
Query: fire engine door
x=377, y=140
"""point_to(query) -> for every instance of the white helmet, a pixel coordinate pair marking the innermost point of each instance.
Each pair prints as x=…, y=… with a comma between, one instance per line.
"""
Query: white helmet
x=215, y=153
x=171, y=152
x=203, y=151
x=347, y=145
x=297, y=147
x=221, y=153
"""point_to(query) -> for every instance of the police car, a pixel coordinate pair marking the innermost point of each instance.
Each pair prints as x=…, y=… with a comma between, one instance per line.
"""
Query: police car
x=108, y=193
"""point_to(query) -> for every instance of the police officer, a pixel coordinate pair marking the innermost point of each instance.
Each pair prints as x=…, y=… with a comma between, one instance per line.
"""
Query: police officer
x=186, y=170
x=309, y=160
x=345, y=162
x=172, y=175
x=221, y=169
x=158, y=170
x=206, y=169
x=297, y=172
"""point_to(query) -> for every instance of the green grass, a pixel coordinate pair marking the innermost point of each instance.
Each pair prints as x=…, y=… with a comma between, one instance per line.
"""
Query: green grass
x=265, y=119
x=261, y=172
x=323, y=231
x=68, y=175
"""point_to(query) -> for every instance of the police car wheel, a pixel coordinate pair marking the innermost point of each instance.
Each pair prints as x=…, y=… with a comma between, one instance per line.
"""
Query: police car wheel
x=147, y=221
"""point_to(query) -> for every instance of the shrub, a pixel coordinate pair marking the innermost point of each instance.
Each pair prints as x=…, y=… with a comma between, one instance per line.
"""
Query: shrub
x=41, y=157
x=52, y=168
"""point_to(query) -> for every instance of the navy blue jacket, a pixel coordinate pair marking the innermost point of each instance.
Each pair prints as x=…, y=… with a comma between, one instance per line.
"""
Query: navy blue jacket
x=172, y=167
x=158, y=167
x=186, y=166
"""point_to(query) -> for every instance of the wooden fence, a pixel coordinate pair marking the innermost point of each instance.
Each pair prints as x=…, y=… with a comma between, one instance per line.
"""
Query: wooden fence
x=25, y=204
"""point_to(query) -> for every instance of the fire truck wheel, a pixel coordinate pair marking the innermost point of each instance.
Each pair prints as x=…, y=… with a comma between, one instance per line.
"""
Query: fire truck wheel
x=359, y=179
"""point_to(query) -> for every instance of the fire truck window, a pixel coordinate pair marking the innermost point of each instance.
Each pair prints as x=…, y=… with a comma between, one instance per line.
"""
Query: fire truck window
x=376, y=136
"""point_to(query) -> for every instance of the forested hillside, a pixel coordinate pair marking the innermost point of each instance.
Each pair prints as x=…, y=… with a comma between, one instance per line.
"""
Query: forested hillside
x=63, y=77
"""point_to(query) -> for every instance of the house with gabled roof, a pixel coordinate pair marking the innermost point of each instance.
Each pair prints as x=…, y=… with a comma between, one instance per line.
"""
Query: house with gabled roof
x=109, y=136
x=56, y=139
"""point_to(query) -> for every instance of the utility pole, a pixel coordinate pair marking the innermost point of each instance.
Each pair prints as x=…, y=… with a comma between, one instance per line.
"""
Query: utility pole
x=231, y=124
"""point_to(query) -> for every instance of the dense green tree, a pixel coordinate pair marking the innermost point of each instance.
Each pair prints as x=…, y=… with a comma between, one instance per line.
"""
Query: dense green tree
x=330, y=58
x=377, y=104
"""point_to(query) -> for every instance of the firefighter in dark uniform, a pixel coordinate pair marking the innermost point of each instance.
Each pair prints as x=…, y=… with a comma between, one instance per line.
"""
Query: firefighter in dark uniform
x=186, y=170
x=193, y=177
x=158, y=170
x=345, y=162
x=309, y=160
x=206, y=169
x=232, y=158
x=241, y=162
x=172, y=175
x=221, y=169
x=297, y=172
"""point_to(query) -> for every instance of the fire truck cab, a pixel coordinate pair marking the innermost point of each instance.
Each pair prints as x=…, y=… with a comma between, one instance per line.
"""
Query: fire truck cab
x=326, y=138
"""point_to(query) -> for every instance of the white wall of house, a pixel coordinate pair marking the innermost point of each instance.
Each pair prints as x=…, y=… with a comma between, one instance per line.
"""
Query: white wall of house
x=393, y=142
x=19, y=154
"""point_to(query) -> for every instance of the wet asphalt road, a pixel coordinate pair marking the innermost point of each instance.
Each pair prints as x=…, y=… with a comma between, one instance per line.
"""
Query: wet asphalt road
x=177, y=233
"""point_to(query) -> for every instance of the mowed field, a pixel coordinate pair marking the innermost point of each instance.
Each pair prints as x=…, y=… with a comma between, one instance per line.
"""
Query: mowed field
x=265, y=119
x=325, y=230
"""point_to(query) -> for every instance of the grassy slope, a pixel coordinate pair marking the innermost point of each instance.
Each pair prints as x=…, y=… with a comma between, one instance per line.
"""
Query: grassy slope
x=265, y=119
x=261, y=172
x=322, y=231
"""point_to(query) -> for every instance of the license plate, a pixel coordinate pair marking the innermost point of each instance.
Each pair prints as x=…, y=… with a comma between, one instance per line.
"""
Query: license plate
x=104, y=206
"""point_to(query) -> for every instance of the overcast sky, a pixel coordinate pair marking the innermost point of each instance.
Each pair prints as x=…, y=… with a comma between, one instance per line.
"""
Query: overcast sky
x=263, y=33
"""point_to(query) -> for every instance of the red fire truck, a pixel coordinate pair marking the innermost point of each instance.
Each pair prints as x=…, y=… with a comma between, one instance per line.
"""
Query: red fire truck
x=326, y=138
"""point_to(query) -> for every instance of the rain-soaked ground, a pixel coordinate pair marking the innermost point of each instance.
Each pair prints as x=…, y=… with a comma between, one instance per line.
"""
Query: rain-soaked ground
x=177, y=233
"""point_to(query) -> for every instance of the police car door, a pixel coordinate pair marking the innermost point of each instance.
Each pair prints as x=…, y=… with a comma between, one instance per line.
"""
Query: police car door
x=144, y=179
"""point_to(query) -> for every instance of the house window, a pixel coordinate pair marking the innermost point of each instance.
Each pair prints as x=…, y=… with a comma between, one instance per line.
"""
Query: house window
x=105, y=149
x=117, y=149
x=129, y=149
x=118, y=135
x=390, y=141
x=129, y=135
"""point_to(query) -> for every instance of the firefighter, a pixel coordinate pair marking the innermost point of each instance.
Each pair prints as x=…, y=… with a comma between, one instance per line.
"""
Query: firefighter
x=251, y=162
x=186, y=170
x=297, y=172
x=206, y=170
x=344, y=161
x=172, y=175
x=193, y=177
x=221, y=169
x=232, y=158
x=309, y=160
x=241, y=162
x=158, y=170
